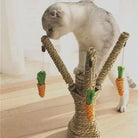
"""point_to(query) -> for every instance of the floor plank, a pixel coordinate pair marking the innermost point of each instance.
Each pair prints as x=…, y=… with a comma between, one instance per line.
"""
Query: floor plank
x=26, y=115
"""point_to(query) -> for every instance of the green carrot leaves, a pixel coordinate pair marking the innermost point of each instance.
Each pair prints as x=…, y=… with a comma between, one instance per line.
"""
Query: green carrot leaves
x=41, y=77
x=90, y=96
x=120, y=71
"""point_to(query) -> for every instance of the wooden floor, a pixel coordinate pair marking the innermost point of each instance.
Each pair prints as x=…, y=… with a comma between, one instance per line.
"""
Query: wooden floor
x=23, y=114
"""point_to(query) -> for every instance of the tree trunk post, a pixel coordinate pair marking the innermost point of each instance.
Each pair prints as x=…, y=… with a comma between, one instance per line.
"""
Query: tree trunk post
x=79, y=126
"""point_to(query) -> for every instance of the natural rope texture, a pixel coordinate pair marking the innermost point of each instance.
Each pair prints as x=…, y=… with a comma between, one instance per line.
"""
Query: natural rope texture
x=112, y=58
x=80, y=126
x=57, y=60
x=90, y=70
x=87, y=81
x=90, y=82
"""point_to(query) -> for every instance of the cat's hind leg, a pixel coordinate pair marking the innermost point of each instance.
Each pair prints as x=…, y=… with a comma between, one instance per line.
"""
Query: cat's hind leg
x=123, y=99
x=82, y=60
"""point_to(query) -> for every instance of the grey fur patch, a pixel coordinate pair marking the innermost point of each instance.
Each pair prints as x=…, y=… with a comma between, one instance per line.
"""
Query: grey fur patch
x=131, y=83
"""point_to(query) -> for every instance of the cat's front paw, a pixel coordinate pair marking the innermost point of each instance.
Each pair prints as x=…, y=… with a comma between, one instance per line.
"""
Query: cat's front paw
x=79, y=71
x=121, y=108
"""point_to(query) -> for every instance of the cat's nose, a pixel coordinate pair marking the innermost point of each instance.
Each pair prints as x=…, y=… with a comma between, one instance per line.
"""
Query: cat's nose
x=48, y=34
x=50, y=30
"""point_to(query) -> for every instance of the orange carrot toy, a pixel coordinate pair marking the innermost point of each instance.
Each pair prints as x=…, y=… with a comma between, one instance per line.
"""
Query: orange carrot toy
x=41, y=83
x=120, y=81
x=89, y=109
x=89, y=105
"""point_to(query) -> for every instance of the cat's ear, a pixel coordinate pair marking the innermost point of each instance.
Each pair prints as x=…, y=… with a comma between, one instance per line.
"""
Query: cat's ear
x=56, y=13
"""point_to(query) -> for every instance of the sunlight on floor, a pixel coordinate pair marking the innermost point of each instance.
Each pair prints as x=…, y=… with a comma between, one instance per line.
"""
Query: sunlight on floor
x=32, y=67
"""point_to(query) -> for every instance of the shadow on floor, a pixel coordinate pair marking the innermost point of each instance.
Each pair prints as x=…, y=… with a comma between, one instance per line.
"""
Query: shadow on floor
x=60, y=134
x=37, y=118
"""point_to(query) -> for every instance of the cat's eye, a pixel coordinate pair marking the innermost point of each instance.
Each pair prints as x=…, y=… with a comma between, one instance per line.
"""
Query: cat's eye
x=50, y=30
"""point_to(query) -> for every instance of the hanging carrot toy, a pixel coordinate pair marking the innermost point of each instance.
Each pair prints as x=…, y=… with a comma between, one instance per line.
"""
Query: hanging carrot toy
x=89, y=105
x=41, y=76
x=120, y=79
x=41, y=83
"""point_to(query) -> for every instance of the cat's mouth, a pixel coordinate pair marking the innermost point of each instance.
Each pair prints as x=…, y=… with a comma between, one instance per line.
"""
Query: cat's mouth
x=52, y=36
x=49, y=35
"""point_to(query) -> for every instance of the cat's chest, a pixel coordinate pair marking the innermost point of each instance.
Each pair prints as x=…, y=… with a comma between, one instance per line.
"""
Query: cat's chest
x=90, y=37
x=87, y=40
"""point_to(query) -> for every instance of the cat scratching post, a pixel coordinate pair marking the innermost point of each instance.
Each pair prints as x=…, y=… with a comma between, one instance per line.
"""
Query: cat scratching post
x=79, y=126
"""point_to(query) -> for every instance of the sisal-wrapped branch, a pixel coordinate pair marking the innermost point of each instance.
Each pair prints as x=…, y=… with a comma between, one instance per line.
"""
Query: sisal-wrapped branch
x=57, y=60
x=112, y=58
x=87, y=81
x=90, y=84
x=90, y=69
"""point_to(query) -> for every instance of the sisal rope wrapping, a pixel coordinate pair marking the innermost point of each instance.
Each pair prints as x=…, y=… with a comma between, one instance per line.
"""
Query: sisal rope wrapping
x=112, y=58
x=87, y=81
x=57, y=60
x=80, y=126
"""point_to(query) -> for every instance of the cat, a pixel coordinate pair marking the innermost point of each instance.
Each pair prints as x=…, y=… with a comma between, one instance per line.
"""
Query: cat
x=92, y=27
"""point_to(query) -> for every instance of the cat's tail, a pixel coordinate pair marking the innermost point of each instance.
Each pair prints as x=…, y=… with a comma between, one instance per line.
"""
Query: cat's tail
x=131, y=83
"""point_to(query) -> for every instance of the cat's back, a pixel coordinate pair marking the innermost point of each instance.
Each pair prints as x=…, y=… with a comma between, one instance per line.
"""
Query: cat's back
x=99, y=21
x=93, y=10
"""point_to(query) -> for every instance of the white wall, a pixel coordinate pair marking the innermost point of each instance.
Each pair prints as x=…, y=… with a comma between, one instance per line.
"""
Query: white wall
x=22, y=30
x=128, y=21
x=31, y=31
x=12, y=58
x=31, y=28
x=126, y=14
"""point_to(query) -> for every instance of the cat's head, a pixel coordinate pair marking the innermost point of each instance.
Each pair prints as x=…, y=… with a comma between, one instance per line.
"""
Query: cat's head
x=55, y=21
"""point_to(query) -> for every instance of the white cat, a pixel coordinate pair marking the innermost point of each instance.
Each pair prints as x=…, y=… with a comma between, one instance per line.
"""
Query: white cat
x=92, y=27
